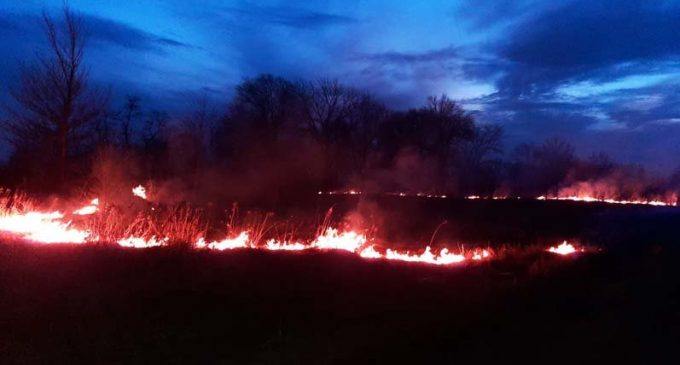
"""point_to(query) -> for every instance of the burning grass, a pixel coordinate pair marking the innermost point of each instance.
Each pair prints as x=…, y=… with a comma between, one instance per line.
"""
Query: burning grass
x=143, y=224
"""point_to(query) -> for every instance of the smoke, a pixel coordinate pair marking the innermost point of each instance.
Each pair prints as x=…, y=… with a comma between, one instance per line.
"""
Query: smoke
x=278, y=174
x=619, y=182
x=409, y=171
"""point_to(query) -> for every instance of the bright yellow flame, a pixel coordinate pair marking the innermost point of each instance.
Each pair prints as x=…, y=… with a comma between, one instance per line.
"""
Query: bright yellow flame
x=241, y=241
x=331, y=239
x=139, y=191
x=139, y=242
x=274, y=245
x=92, y=208
x=42, y=227
x=443, y=258
x=563, y=249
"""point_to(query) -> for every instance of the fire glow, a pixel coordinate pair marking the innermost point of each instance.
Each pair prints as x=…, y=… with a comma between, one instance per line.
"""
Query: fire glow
x=671, y=201
x=55, y=227
x=564, y=249
x=590, y=199
x=350, y=241
x=42, y=227
x=139, y=191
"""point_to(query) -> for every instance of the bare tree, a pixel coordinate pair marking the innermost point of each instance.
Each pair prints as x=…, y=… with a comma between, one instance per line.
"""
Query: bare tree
x=266, y=105
x=436, y=131
x=344, y=121
x=131, y=111
x=539, y=169
x=54, y=104
x=189, y=140
x=328, y=105
x=364, y=122
x=451, y=122
x=154, y=125
x=479, y=160
x=485, y=143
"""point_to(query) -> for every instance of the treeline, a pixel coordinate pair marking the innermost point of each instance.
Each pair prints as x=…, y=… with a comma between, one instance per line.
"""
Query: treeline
x=277, y=139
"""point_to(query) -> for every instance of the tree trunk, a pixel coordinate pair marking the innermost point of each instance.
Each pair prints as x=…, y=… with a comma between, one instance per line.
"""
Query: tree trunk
x=63, y=153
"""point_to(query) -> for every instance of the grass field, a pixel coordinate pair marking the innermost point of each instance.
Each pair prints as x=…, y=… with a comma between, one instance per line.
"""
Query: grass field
x=66, y=304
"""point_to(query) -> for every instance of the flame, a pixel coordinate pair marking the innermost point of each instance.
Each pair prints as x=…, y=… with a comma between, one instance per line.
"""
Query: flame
x=139, y=242
x=443, y=258
x=274, y=245
x=351, y=241
x=591, y=199
x=240, y=241
x=564, y=249
x=370, y=253
x=92, y=208
x=399, y=194
x=139, y=191
x=52, y=227
x=42, y=227
x=670, y=201
x=480, y=255
x=331, y=239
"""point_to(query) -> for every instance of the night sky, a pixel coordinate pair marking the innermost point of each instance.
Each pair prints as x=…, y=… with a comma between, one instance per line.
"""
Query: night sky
x=603, y=74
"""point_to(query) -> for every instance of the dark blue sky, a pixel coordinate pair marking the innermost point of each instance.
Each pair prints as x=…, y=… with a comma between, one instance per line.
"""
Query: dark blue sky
x=603, y=74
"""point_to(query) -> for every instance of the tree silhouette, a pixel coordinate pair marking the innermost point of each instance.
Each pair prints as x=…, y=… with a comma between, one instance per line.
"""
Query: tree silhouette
x=54, y=106
x=131, y=112
x=264, y=106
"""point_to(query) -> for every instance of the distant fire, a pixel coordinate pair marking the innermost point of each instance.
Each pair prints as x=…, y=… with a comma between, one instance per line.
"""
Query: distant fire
x=56, y=227
x=590, y=199
x=564, y=249
x=401, y=194
x=670, y=201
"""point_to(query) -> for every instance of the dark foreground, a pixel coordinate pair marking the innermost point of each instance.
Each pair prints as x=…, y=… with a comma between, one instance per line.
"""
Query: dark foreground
x=106, y=305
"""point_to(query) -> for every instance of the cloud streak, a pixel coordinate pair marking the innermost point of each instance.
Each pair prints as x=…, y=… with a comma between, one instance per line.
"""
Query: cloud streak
x=291, y=16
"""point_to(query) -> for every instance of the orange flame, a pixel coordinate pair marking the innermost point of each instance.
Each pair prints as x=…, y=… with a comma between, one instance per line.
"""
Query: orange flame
x=52, y=227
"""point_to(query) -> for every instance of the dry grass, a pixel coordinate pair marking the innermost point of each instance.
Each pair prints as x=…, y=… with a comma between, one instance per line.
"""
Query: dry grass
x=110, y=224
x=14, y=201
x=181, y=224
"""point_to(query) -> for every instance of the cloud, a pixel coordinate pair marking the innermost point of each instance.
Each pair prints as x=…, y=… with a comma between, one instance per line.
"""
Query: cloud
x=435, y=55
x=582, y=70
x=589, y=40
x=97, y=29
x=291, y=16
x=481, y=15
x=108, y=31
